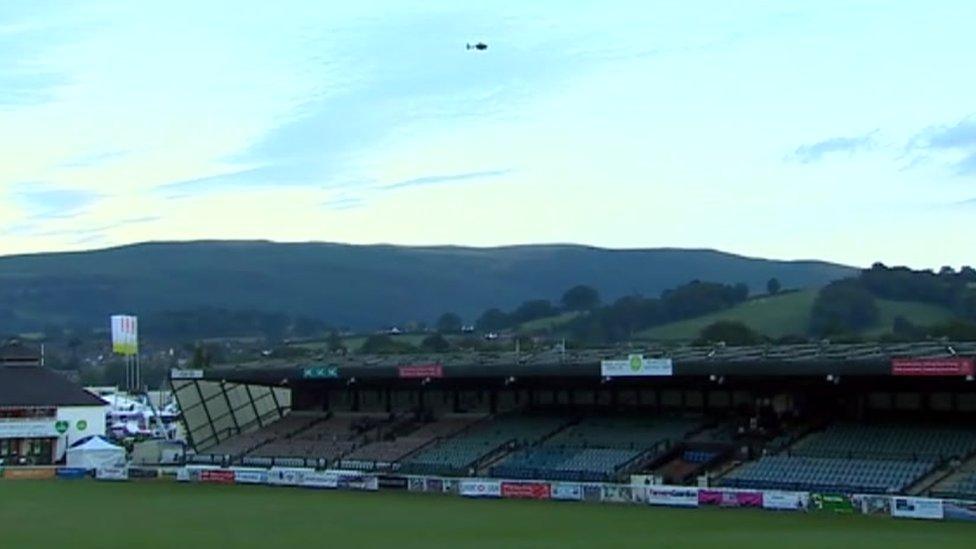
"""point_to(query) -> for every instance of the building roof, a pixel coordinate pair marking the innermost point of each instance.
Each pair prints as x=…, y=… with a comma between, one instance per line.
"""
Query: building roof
x=39, y=386
x=15, y=352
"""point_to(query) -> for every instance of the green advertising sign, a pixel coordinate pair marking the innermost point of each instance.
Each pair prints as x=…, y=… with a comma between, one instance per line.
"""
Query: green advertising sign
x=320, y=372
x=81, y=425
x=61, y=426
x=838, y=503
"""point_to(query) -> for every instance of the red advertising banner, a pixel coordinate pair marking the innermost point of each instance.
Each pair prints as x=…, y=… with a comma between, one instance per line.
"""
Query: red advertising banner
x=727, y=498
x=525, y=490
x=421, y=371
x=951, y=366
x=217, y=476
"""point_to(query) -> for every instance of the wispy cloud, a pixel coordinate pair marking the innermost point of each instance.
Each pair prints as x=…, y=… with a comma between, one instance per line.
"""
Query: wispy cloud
x=442, y=179
x=816, y=152
x=94, y=159
x=43, y=201
x=344, y=203
x=959, y=138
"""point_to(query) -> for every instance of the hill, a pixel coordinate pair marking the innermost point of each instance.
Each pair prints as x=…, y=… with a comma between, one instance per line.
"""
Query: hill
x=789, y=314
x=357, y=286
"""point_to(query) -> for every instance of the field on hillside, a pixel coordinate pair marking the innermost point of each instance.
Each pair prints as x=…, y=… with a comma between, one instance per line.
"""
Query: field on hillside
x=789, y=314
x=148, y=515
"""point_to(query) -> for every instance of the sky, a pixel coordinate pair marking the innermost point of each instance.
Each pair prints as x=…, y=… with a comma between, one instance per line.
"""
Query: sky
x=835, y=130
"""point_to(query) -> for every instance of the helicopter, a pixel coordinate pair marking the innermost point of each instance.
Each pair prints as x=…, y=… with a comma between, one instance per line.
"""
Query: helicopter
x=480, y=46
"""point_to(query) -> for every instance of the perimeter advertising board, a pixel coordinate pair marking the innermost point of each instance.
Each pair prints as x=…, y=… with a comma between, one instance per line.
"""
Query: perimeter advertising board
x=917, y=508
x=786, y=501
x=838, y=503
x=566, y=491
x=636, y=366
x=112, y=473
x=217, y=476
x=474, y=488
x=250, y=476
x=730, y=498
x=525, y=490
x=673, y=496
x=287, y=476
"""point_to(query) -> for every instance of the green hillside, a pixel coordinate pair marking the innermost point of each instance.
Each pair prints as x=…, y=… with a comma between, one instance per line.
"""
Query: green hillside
x=787, y=314
x=363, y=287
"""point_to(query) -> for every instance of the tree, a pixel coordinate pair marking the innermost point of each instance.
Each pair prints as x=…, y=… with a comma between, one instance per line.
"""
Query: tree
x=731, y=332
x=581, y=298
x=435, y=343
x=773, y=286
x=843, y=307
x=336, y=346
x=379, y=344
x=533, y=310
x=449, y=323
x=493, y=320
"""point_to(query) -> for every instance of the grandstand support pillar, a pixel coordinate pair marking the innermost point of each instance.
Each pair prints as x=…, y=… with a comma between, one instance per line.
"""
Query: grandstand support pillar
x=355, y=400
x=493, y=401
x=421, y=402
x=254, y=406
x=230, y=409
x=206, y=410
x=388, y=397
x=614, y=394
x=456, y=406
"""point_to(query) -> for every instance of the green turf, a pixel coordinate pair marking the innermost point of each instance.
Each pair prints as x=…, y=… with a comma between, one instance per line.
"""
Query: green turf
x=548, y=323
x=789, y=314
x=147, y=515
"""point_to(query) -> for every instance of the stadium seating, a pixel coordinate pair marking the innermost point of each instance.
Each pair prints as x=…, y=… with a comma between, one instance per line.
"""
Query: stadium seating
x=328, y=439
x=457, y=454
x=828, y=474
x=850, y=457
x=389, y=451
x=246, y=442
x=595, y=449
x=962, y=487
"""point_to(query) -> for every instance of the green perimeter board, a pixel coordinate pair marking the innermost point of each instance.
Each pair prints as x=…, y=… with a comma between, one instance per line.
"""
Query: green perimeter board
x=82, y=514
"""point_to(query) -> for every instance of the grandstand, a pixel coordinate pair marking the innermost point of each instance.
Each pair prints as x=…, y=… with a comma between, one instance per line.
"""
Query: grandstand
x=814, y=417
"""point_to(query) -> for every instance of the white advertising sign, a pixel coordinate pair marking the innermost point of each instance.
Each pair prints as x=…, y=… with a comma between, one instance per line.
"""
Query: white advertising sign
x=177, y=373
x=919, y=508
x=566, y=491
x=481, y=488
x=637, y=365
x=674, y=496
x=287, y=476
x=320, y=480
x=250, y=476
x=125, y=334
x=44, y=428
x=112, y=473
x=786, y=501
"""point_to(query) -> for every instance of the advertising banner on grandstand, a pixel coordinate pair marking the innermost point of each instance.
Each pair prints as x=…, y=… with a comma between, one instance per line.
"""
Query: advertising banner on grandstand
x=250, y=476
x=287, y=476
x=421, y=371
x=474, y=488
x=125, y=335
x=112, y=473
x=786, y=501
x=636, y=365
x=320, y=372
x=934, y=367
x=959, y=510
x=566, y=491
x=673, y=496
x=730, y=498
x=525, y=490
x=177, y=373
x=838, y=503
x=917, y=508
x=217, y=476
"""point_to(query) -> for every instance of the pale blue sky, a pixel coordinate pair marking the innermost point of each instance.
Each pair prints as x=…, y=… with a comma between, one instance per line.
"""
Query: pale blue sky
x=843, y=131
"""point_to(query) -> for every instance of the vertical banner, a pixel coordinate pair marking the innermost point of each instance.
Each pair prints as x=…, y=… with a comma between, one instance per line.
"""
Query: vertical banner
x=125, y=335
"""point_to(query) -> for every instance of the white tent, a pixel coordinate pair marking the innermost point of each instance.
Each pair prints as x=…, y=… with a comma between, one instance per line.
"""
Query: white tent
x=95, y=452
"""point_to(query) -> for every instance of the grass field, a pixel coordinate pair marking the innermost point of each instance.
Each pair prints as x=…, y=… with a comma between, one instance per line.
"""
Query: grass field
x=789, y=314
x=85, y=514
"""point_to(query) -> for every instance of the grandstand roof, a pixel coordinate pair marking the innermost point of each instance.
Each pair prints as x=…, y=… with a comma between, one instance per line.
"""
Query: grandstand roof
x=861, y=359
x=39, y=386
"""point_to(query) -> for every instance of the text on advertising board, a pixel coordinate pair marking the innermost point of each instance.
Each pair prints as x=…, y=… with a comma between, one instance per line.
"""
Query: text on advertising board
x=421, y=371
x=950, y=366
x=637, y=365
x=320, y=372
